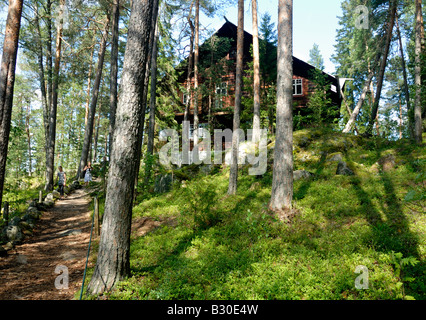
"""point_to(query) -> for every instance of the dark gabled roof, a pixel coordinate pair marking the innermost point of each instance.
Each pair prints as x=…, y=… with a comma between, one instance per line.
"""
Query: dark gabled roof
x=230, y=30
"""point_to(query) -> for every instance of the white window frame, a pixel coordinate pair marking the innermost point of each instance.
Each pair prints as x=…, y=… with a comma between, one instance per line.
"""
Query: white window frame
x=185, y=98
x=222, y=89
x=200, y=125
x=296, y=84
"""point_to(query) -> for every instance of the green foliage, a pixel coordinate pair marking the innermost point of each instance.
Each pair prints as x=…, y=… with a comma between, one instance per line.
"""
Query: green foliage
x=315, y=57
x=229, y=247
x=400, y=265
x=202, y=207
x=319, y=101
x=416, y=196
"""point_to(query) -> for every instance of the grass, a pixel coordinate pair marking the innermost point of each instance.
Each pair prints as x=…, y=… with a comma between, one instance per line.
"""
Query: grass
x=230, y=247
x=19, y=195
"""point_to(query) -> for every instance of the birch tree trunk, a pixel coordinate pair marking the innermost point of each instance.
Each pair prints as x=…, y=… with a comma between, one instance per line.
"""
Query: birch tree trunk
x=7, y=81
x=88, y=133
x=233, y=173
x=417, y=74
x=282, y=179
x=256, y=76
x=113, y=263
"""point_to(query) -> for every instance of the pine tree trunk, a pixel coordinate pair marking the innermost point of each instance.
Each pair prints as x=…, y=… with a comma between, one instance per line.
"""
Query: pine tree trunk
x=355, y=112
x=233, y=172
x=282, y=179
x=89, y=81
x=113, y=261
x=96, y=136
x=88, y=133
x=152, y=101
x=417, y=74
x=391, y=22
x=7, y=81
x=53, y=109
x=113, y=95
x=196, y=58
x=190, y=61
x=256, y=76
x=400, y=120
x=49, y=55
x=42, y=79
x=49, y=65
x=367, y=84
x=28, y=133
x=404, y=72
x=145, y=85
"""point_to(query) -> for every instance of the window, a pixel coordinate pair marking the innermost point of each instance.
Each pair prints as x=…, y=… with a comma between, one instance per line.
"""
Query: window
x=221, y=91
x=203, y=135
x=297, y=87
x=185, y=99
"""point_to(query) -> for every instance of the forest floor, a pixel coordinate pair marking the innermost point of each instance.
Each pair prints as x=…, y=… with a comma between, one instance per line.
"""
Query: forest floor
x=59, y=245
x=60, y=240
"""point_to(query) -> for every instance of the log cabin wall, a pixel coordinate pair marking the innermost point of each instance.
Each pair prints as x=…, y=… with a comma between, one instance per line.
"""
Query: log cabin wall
x=302, y=72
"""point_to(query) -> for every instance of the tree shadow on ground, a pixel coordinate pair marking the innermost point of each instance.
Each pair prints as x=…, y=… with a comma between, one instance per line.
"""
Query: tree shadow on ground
x=306, y=184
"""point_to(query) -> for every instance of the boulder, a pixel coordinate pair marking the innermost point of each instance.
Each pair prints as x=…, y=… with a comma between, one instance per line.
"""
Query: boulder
x=8, y=246
x=41, y=206
x=48, y=204
x=302, y=174
x=32, y=213
x=3, y=252
x=56, y=194
x=343, y=169
x=49, y=198
x=76, y=185
x=335, y=157
x=71, y=232
x=387, y=162
x=33, y=203
x=14, y=233
x=27, y=222
x=14, y=221
x=374, y=168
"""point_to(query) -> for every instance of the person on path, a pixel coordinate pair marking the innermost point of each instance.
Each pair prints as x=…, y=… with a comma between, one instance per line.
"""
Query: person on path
x=87, y=174
x=62, y=181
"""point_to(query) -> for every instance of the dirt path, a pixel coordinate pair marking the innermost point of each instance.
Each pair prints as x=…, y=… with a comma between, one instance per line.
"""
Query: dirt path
x=61, y=238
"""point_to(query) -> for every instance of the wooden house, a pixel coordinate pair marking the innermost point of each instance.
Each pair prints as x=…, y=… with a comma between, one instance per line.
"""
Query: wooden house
x=219, y=106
